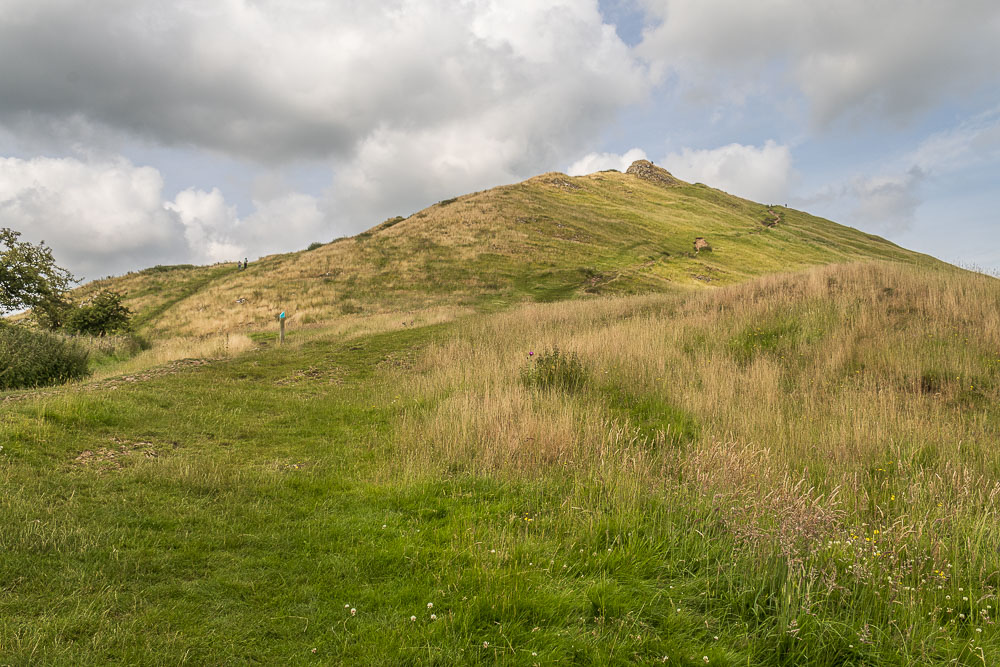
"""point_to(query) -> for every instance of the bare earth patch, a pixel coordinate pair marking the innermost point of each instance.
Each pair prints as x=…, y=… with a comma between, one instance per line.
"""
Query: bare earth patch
x=114, y=458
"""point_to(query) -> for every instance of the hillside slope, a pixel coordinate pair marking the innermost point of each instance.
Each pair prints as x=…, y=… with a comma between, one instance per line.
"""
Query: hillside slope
x=545, y=239
x=797, y=470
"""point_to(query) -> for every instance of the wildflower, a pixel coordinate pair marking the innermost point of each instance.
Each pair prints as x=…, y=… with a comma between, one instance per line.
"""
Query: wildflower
x=533, y=653
x=413, y=618
x=354, y=612
x=314, y=650
x=347, y=606
x=434, y=617
x=430, y=605
x=705, y=658
x=486, y=644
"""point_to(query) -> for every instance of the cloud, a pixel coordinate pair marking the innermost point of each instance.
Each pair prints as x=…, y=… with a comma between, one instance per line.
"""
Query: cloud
x=972, y=143
x=98, y=218
x=762, y=174
x=592, y=162
x=887, y=203
x=106, y=218
x=852, y=58
x=271, y=81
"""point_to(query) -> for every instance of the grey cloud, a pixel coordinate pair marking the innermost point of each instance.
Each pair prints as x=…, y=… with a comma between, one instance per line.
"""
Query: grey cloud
x=851, y=59
x=272, y=82
x=888, y=204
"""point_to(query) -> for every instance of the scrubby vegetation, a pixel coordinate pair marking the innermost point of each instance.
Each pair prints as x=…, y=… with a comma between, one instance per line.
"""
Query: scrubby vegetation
x=33, y=358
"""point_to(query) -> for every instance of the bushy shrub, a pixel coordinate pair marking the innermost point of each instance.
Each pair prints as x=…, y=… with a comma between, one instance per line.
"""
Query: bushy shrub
x=554, y=369
x=34, y=358
x=315, y=245
x=103, y=314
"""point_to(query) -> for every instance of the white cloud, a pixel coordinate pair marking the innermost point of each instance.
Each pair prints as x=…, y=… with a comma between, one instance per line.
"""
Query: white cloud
x=208, y=222
x=98, y=218
x=105, y=218
x=762, y=174
x=971, y=143
x=850, y=58
x=592, y=162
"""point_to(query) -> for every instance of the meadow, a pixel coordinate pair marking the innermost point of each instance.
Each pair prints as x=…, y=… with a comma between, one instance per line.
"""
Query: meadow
x=800, y=468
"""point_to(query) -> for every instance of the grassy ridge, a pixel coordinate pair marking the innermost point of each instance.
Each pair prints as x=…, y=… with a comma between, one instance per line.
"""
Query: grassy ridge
x=798, y=469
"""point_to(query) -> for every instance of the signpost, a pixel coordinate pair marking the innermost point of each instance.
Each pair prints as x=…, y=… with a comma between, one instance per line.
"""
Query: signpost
x=281, y=328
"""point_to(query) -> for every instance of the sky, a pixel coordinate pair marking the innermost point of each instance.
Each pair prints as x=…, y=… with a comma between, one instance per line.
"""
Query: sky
x=144, y=132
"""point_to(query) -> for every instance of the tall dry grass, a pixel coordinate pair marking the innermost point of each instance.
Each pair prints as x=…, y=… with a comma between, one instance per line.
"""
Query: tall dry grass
x=173, y=349
x=848, y=416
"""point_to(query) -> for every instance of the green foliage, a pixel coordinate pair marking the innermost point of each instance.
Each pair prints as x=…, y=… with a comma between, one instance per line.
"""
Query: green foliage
x=33, y=358
x=772, y=337
x=169, y=268
x=28, y=273
x=103, y=314
x=391, y=222
x=315, y=245
x=445, y=202
x=554, y=369
x=52, y=310
x=652, y=416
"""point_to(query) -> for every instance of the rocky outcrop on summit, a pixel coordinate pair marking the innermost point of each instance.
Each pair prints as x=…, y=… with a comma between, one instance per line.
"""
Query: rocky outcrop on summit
x=648, y=171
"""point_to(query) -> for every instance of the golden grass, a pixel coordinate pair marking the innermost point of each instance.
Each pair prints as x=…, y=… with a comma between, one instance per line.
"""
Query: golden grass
x=869, y=404
x=173, y=349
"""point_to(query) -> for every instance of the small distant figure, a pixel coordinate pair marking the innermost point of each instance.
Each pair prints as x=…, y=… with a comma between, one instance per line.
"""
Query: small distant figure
x=239, y=265
x=246, y=263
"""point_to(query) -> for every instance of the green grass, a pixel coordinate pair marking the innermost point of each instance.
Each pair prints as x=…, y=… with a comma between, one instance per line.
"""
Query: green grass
x=239, y=522
x=238, y=512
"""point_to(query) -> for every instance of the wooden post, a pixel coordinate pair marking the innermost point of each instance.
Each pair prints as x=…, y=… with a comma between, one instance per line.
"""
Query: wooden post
x=281, y=328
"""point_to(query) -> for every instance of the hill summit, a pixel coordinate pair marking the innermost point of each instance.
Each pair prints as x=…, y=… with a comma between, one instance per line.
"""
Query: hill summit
x=648, y=171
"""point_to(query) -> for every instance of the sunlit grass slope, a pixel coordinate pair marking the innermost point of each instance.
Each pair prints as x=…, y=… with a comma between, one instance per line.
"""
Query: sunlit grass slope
x=549, y=238
x=798, y=469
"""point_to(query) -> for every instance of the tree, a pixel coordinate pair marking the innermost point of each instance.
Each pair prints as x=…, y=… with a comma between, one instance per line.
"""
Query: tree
x=29, y=277
x=101, y=315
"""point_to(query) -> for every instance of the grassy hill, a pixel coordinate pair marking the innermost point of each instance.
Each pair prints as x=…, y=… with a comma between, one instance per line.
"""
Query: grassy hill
x=794, y=467
x=549, y=238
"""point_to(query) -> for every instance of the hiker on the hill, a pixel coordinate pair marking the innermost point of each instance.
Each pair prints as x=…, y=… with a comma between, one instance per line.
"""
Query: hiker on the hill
x=245, y=262
x=239, y=265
